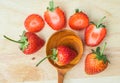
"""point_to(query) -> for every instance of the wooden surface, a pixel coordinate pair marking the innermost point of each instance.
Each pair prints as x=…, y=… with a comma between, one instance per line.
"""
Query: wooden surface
x=17, y=67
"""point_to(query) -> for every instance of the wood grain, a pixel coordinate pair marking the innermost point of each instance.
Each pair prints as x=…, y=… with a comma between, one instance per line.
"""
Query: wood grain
x=12, y=16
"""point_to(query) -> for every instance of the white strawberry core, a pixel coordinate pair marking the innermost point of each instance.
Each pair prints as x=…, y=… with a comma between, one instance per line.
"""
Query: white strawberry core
x=79, y=22
x=54, y=18
x=94, y=36
x=34, y=23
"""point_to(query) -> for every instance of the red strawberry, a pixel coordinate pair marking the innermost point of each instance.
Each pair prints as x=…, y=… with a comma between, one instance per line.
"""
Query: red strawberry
x=96, y=62
x=62, y=55
x=55, y=17
x=79, y=20
x=95, y=33
x=30, y=42
x=34, y=23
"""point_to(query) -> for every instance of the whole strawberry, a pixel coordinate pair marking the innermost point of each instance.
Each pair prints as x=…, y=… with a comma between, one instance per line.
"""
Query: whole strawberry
x=55, y=17
x=79, y=20
x=96, y=61
x=62, y=55
x=29, y=42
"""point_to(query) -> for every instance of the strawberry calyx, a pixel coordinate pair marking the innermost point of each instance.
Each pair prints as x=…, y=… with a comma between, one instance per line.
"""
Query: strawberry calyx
x=99, y=24
x=53, y=56
x=51, y=6
x=23, y=41
x=99, y=54
x=77, y=11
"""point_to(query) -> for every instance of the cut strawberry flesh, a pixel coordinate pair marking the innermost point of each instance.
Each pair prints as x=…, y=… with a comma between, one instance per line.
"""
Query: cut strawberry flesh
x=54, y=17
x=94, y=35
x=34, y=23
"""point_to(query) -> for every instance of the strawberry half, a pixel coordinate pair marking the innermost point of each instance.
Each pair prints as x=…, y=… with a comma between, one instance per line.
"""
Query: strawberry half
x=95, y=33
x=62, y=55
x=55, y=17
x=96, y=61
x=79, y=20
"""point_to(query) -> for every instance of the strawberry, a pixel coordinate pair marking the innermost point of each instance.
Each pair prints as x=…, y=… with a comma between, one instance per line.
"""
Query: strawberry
x=96, y=61
x=55, y=17
x=29, y=42
x=34, y=23
x=79, y=20
x=62, y=55
x=95, y=33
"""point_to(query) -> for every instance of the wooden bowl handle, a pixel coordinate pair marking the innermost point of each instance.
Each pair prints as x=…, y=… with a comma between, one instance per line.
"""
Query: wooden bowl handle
x=61, y=75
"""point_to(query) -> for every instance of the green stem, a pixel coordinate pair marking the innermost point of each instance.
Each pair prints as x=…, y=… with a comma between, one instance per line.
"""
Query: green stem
x=100, y=22
x=12, y=39
x=43, y=60
x=51, y=6
x=103, y=48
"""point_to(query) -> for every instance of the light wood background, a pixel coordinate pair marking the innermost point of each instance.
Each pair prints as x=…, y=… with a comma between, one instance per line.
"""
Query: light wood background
x=17, y=67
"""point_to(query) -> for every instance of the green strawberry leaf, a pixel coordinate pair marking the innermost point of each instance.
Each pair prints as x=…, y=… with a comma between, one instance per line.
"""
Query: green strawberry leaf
x=99, y=24
x=98, y=50
x=100, y=55
x=54, y=54
x=25, y=43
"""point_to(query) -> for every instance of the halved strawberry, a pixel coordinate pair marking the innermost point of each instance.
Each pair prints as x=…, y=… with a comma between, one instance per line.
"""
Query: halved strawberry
x=55, y=17
x=96, y=61
x=95, y=33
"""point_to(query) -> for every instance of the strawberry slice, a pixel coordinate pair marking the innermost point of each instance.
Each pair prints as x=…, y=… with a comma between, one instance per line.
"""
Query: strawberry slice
x=55, y=17
x=95, y=33
x=79, y=20
x=34, y=23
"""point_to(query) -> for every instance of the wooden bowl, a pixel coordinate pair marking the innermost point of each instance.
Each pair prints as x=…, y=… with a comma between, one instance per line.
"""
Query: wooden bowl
x=67, y=38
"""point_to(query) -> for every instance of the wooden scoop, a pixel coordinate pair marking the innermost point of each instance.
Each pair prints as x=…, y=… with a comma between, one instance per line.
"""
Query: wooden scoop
x=68, y=38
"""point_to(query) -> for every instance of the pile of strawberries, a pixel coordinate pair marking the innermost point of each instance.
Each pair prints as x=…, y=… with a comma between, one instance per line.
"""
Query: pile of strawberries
x=55, y=17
